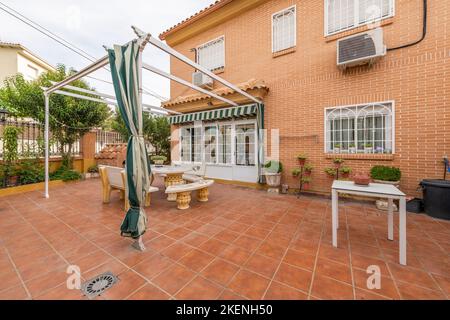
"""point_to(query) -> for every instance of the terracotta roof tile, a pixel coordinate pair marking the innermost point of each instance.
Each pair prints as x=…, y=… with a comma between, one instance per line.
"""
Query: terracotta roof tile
x=223, y=91
x=213, y=7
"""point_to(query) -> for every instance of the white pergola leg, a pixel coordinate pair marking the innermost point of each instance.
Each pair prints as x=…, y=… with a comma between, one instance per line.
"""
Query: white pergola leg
x=46, y=138
x=390, y=219
x=402, y=231
x=334, y=216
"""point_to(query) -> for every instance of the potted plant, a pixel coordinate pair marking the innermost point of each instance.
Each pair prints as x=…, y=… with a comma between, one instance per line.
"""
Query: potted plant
x=158, y=160
x=272, y=171
x=368, y=148
x=386, y=175
x=331, y=172
x=338, y=162
x=337, y=148
x=307, y=169
x=302, y=159
x=345, y=172
x=306, y=182
x=296, y=172
x=10, y=155
x=92, y=172
x=352, y=148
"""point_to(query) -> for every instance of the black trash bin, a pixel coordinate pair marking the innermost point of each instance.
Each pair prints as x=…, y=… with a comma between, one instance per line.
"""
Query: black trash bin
x=436, y=198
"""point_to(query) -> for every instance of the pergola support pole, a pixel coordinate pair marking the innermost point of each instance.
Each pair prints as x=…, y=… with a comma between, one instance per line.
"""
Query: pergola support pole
x=187, y=84
x=46, y=141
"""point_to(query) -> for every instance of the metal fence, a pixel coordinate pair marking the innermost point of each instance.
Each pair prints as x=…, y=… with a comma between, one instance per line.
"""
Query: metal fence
x=106, y=137
x=31, y=139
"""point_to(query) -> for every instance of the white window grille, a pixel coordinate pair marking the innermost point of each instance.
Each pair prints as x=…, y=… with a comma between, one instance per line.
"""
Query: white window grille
x=245, y=145
x=210, y=144
x=341, y=15
x=224, y=144
x=211, y=55
x=191, y=144
x=284, y=29
x=360, y=129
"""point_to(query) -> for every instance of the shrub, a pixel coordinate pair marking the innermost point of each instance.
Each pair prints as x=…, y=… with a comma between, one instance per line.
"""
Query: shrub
x=93, y=169
x=306, y=180
x=338, y=160
x=308, y=168
x=31, y=171
x=273, y=166
x=295, y=172
x=385, y=173
x=302, y=156
x=65, y=174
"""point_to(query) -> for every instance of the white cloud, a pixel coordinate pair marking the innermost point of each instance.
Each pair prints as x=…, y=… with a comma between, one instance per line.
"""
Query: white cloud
x=90, y=24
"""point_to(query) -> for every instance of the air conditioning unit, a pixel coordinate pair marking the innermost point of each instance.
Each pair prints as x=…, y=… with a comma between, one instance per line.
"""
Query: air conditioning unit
x=360, y=49
x=202, y=80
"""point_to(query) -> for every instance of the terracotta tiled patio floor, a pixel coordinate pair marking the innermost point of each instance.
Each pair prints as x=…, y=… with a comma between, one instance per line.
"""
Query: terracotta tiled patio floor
x=243, y=244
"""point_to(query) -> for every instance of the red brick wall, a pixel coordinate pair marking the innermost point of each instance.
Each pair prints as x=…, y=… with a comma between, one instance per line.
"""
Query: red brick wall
x=304, y=82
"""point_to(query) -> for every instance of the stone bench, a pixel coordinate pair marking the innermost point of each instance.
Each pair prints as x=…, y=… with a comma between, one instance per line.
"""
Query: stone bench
x=183, y=192
x=113, y=178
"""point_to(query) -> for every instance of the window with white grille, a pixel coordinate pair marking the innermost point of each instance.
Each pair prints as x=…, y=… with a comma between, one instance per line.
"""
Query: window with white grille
x=342, y=15
x=211, y=55
x=365, y=128
x=284, y=29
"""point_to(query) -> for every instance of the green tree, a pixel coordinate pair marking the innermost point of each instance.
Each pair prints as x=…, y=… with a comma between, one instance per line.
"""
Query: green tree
x=156, y=131
x=70, y=118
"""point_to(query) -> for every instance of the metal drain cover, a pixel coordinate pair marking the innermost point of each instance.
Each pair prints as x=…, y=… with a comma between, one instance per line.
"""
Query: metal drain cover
x=96, y=286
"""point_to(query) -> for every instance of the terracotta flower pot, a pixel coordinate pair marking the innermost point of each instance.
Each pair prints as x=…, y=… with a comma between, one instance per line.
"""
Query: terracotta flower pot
x=306, y=186
x=361, y=179
x=301, y=162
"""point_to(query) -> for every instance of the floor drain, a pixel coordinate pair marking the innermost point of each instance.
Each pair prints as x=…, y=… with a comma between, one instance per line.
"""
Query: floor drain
x=96, y=286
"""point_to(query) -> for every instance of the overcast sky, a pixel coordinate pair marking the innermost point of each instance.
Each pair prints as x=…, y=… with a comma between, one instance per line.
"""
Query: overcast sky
x=89, y=24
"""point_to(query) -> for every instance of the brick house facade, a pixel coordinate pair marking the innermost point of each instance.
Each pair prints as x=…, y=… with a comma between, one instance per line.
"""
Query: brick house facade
x=299, y=84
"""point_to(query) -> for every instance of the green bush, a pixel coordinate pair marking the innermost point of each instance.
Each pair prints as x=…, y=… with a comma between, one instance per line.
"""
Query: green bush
x=273, y=166
x=65, y=174
x=345, y=170
x=31, y=171
x=385, y=173
x=296, y=172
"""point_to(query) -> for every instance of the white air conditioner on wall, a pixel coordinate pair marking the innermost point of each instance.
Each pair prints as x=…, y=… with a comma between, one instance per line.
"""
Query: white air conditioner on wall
x=202, y=80
x=362, y=48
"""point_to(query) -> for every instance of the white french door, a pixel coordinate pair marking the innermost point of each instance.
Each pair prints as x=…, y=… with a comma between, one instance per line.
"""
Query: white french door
x=228, y=148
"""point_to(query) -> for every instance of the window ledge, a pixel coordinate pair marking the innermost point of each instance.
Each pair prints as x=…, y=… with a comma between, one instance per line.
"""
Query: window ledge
x=361, y=156
x=355, y=30
x=283, y=52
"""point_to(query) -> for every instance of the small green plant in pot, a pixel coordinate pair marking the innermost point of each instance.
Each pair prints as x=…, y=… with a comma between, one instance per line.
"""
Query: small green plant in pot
x=345, y=172
x=337, y=148
x=306, y=181
x=331, y=172
x=158, y=160
x=352, y=148
x=338, y=162
x=386, y=174
x=307, y=169
x=272, y=171
x=302, y=159
x=368, y=148
x=296, y=172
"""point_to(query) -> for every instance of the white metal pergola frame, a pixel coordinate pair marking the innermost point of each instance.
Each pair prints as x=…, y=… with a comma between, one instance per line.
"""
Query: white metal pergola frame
x=109, y=99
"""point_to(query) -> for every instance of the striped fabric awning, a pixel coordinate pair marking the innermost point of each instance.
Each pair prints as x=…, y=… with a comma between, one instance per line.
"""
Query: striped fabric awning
x=234, y=112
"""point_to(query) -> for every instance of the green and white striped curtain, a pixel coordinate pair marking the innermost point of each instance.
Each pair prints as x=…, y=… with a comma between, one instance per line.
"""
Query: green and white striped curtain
x=123, y=61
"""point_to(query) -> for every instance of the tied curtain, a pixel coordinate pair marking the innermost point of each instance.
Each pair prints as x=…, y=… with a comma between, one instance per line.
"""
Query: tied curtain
x=124, y=63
